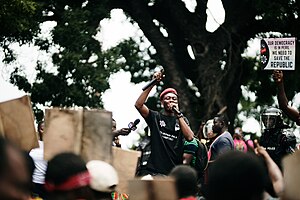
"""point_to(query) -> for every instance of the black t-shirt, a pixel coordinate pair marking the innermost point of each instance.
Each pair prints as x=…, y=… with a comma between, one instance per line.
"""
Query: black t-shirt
x=166, y=143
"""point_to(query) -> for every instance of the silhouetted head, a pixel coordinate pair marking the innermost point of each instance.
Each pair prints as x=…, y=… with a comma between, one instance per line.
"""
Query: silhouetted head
x=236, y=175
x=220, y=124
x=185, y=180
x=67, y=174
x=15, y=172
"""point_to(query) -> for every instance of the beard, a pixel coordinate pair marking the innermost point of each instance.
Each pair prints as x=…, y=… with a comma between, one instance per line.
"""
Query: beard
x=217, y=130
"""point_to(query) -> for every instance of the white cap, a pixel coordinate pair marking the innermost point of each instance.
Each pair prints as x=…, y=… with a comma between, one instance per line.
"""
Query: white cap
x=147, y=177
x=104, y=177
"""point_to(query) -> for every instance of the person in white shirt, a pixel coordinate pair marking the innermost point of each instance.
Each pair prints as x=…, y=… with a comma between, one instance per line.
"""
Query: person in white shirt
x=37, y=154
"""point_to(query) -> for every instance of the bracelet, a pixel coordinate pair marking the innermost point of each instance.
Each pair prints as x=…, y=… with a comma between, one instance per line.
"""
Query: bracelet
x=179, y=116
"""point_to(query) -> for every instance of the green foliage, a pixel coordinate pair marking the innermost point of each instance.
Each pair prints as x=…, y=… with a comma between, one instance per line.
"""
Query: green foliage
x=81, y=71
x=20, y=80
x=258, y=81
x=19, y=22
x=81, y=68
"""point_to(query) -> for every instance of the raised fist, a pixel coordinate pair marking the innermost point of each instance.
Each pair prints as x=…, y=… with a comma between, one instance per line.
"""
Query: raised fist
x=277, y=76
x=158, y=75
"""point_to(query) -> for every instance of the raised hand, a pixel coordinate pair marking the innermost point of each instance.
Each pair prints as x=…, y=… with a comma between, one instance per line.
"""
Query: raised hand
x=277, y=76
x=158, y=75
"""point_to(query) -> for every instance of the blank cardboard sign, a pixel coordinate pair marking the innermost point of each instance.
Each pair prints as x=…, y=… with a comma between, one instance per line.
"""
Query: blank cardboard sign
x=291, y=176
x=125, y=162
x=158, y=189
x=17, y=123
x=97, y=135
x=84, y=132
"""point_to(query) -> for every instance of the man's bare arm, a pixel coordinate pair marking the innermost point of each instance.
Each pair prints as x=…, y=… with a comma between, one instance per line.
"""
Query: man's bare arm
x=140, y=102
x=291, y=112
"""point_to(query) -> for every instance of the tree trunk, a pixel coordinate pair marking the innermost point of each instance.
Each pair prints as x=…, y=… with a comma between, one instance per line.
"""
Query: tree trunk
x=217, y=68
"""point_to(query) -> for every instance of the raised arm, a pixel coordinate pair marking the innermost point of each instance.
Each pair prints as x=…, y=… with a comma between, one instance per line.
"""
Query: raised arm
x=274, y=172
x=291, y=112
x=140, y=102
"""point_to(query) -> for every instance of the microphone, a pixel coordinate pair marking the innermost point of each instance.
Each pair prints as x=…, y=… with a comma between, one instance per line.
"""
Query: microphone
x=132, y=125
x=176, y=110
x=152, y=82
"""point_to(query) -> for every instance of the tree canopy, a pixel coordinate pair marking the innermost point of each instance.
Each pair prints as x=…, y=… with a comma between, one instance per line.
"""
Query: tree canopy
x=19, y=22
x=219, y=69
x=217, y=72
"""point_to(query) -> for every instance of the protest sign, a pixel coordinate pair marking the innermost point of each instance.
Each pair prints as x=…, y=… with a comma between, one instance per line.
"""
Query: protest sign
x=84, y=132
x=278, y=53
x=125, y=162
x=291, y=176
x=17, y=123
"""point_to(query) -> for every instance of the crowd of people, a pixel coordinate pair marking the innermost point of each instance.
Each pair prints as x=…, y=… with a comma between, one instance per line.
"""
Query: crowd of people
x=213, y=164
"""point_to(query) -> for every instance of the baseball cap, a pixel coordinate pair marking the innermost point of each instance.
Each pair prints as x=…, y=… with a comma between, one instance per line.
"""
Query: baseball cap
x=168, y=90
x=104, y=177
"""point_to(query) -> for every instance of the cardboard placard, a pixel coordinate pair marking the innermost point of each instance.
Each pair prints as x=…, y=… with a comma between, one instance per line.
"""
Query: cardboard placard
x=291, y=176
x=17, y=123
x=125, y=162
x=84, y=132
x=97, y=135
x=158, y=189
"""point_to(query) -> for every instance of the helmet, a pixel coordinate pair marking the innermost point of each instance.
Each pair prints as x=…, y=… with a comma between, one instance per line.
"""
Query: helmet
x=271, y=118
x=207, y=128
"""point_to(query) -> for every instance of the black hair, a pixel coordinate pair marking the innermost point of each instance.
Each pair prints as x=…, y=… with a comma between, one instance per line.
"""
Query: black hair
x=236, y=175
x=4, y=144
x=223, y=118
x=8, y=148
x=62, y=166
x=185, y=180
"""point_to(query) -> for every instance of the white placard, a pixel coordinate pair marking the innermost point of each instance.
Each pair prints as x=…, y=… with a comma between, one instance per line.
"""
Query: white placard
x=278, y=53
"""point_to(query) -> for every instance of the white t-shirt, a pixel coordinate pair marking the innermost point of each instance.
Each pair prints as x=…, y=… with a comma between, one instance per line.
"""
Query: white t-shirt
x=37, y=155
